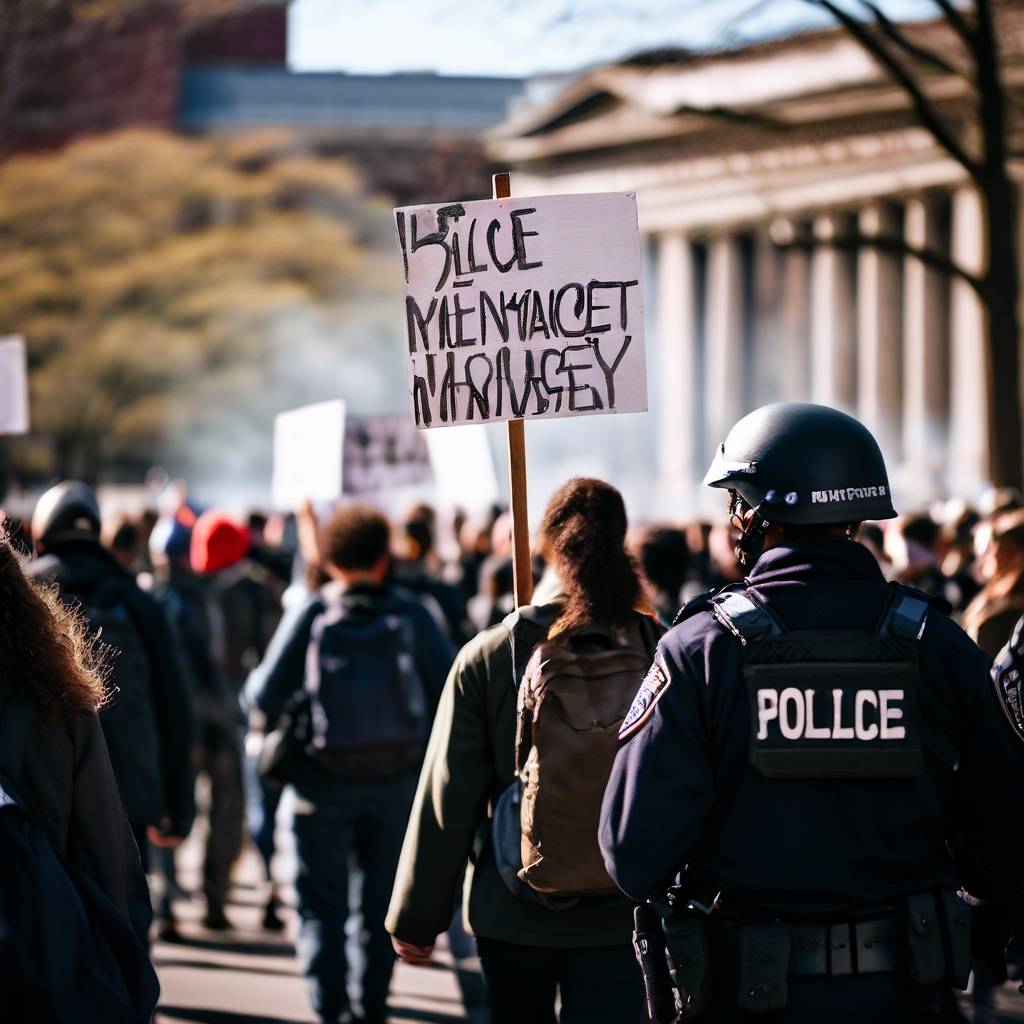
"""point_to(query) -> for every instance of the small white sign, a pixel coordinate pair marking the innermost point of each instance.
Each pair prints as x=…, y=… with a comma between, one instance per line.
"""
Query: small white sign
x=523, y=308
x=13, y=386
x=463, y=466
x=308, y=447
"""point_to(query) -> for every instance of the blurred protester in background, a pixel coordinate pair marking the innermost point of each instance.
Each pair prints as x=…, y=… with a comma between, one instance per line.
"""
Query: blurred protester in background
x=52, y=748
x=189, y=604
x=722, y=564
x=912, y=545
x=958, y=553
x=529, y=951
x=416, y=568
x=496, y=597
x=243, y=614
x=148, y=722
x=990, y=617
x=474, y=537
x=872, y=536
x=124, y=543
x=351, y=679
x=664, y=559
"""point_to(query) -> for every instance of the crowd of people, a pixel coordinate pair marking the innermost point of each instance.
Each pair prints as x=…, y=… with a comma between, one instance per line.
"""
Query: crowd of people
x=374, y=667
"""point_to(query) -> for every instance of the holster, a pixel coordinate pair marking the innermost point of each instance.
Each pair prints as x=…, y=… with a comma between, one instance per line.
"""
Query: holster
x=689, y=961
x=649, y=947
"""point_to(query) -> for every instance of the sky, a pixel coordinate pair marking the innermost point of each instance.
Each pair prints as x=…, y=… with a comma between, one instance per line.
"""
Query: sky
x=524, y=37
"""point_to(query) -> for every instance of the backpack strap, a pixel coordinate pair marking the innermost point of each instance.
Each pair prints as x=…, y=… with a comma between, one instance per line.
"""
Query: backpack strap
x=527, y=628
x=906, y=614
x=748, y=620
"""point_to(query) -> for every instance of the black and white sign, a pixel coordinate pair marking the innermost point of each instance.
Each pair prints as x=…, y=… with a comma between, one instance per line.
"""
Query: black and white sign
x=523, y=308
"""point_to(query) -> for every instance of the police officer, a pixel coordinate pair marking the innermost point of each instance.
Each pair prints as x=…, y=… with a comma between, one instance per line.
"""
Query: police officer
x=817, y=760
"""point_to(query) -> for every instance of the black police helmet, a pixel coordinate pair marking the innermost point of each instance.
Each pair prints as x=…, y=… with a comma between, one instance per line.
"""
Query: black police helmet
x=803, y=463
x=68, y=511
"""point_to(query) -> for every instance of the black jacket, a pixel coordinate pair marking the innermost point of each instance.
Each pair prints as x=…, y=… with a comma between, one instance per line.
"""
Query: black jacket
x=79, y=569
x=684, y=792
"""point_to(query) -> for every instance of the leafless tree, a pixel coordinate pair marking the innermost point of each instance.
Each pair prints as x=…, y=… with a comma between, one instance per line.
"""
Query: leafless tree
x=985, y=153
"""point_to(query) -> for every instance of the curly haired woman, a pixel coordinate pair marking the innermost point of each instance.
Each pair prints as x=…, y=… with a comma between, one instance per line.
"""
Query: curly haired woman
x=52, y=749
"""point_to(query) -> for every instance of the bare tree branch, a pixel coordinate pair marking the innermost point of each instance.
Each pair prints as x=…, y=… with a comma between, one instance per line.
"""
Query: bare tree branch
x=960, y=24
x=926, y=112
x=893, y=33
x=932, y=258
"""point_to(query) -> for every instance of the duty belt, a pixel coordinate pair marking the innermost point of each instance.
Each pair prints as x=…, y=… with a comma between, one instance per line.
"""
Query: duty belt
x=850, y=947
x=871, y=946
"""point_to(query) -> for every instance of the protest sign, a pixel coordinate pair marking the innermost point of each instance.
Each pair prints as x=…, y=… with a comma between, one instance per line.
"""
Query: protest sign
x=463, y=468
x=383, y=453
x=13, y=386
x=523, y=308
x=308, y=447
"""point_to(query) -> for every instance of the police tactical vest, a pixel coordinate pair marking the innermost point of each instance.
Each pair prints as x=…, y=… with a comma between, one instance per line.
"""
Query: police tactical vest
x=830, y=704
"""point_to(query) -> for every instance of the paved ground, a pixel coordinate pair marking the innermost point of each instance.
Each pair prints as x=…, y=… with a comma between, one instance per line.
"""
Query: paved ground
x=249, y=976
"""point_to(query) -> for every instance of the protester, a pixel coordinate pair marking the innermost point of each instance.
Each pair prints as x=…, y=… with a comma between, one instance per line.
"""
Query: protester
x=366, y=663
x=664, y=559
x=528, y=951
x=243, y=613
x=53, y=758
x=417, y=569
x=190, y=606
x=990, y=617
x=148, y=722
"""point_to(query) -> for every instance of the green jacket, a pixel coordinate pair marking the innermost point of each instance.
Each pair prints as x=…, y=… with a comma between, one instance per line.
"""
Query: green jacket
x=468, y=766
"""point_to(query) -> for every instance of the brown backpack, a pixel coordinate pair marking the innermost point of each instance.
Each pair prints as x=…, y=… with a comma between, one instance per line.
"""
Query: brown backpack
x=575, y=692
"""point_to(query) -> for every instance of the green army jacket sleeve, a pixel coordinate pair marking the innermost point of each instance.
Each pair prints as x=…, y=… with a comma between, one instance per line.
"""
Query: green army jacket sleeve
x=458, y=780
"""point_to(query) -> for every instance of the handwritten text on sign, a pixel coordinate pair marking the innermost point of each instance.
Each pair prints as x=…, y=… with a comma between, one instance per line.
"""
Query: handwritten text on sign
x=523, y=308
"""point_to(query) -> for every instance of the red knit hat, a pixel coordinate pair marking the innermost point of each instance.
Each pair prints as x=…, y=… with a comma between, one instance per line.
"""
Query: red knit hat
x=218, y=542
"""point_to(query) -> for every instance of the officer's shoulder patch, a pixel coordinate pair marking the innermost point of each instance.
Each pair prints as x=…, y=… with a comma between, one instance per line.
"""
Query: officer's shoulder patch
x=1009, y=686
x=655, y=683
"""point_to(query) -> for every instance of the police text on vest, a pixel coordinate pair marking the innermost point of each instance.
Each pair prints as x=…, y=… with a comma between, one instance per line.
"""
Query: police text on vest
x=873, y=716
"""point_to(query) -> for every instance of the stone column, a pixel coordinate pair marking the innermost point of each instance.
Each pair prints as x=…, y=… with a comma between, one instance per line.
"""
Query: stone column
x=968, y=464
x=833, y=308
x=794, y=348
x=925, y=355
x=879, y=333
x=767, y=366
x=724, y=354
x=677, y=383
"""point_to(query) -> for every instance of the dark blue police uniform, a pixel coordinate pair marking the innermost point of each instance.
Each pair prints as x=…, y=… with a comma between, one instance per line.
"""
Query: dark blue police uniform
x=684, y=792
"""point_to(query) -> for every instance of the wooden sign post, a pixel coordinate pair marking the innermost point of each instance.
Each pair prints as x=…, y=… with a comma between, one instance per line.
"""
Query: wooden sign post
x=522, y=563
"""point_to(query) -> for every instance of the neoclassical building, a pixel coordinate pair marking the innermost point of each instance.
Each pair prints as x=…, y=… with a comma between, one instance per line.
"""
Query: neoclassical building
x=745, y=164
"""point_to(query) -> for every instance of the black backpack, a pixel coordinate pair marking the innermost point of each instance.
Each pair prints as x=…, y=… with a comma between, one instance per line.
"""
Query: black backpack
x=128, y=719
x=66, y=953
x=367, y=703
x=830, y=704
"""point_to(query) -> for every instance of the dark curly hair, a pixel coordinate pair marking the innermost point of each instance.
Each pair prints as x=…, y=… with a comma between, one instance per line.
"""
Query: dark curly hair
x=583, y=536
x=44, y=645
x=355, y=537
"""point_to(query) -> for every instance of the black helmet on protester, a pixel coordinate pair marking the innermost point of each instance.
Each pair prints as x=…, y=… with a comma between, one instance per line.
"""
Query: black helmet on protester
x=804, y=464
x=68, y=511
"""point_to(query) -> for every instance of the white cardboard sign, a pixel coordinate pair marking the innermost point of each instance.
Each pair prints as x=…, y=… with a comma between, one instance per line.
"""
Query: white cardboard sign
x=308, y=447
x=13, y=386
x=523, y=308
